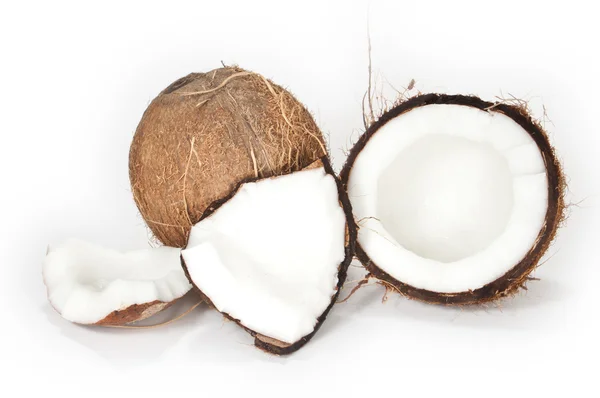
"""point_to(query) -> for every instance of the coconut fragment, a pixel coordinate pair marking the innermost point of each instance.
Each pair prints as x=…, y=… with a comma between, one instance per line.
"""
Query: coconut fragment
x=457, y=199
x=88, y=284
x=274, y=256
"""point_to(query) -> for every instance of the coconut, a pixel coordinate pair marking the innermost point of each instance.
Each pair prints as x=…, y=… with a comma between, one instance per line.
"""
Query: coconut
x=204, y=134
x=274, y=254
x=457, y=199
x=91, y=285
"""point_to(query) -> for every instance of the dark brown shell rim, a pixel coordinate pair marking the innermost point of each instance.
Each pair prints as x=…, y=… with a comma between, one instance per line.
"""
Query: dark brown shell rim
x=516, y=277
x=266, y=343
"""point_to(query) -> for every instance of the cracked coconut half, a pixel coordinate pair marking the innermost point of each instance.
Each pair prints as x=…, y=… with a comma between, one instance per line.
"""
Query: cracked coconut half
x=457, y=199
x=90, y=285
x=273, y=256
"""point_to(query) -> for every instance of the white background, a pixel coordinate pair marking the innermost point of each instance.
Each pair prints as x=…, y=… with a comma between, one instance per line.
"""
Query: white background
x=75, y=78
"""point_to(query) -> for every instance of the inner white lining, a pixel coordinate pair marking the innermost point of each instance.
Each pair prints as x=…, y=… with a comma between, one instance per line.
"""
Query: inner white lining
x=270, y=256
x=86, y=282
x=445, y=197
x=456, y=139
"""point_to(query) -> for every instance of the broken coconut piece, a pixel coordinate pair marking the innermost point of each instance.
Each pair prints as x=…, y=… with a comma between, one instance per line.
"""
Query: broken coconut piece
x=273, y=256
x=457, y=199
x=88, y=284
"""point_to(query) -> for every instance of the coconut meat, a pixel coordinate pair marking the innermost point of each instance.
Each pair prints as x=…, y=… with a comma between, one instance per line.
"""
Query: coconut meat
x=269, y=257
x=86, y=282
x=448, y=198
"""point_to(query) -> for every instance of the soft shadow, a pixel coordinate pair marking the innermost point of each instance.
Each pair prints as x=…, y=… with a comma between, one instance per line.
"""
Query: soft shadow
x=524, y=310
x=128, y=348
x=342, y=313
x=221, y=341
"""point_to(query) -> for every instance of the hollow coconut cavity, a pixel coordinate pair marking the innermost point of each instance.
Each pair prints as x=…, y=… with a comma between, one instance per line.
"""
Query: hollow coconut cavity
x=274, y=254
x=456, y=199
x=90, y=285
x=206, y=133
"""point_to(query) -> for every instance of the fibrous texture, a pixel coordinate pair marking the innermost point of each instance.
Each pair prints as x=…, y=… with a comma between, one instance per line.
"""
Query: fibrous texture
x=456, y=198
x=206, y=133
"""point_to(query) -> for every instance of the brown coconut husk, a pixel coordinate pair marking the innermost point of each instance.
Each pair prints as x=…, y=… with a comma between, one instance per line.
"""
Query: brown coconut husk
x=123, y=319
x=204, y=134
x=515, y=279
x=269, y=344
x=134, y=313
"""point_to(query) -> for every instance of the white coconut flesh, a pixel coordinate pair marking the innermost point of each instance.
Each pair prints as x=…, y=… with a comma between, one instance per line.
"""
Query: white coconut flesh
x=270, y=256
x=86, y=282
x=448, y=198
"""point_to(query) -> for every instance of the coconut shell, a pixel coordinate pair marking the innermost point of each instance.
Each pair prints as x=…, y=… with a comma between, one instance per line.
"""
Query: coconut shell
x=269, y=344
x=206, y=133
x=509, y=283
x=134, y=313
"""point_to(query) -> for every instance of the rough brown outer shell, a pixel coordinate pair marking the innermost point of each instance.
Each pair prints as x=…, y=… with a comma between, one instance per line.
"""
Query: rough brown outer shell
x=244, y=127
x=134, y=313
x=510, y=282
x=269, y=344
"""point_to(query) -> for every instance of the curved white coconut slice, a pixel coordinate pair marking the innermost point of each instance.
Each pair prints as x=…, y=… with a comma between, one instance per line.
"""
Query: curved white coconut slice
x=274, y=256
x=456, y=198
x=88, y=284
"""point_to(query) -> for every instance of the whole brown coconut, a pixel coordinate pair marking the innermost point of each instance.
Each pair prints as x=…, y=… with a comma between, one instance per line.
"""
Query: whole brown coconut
x=206, y=133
